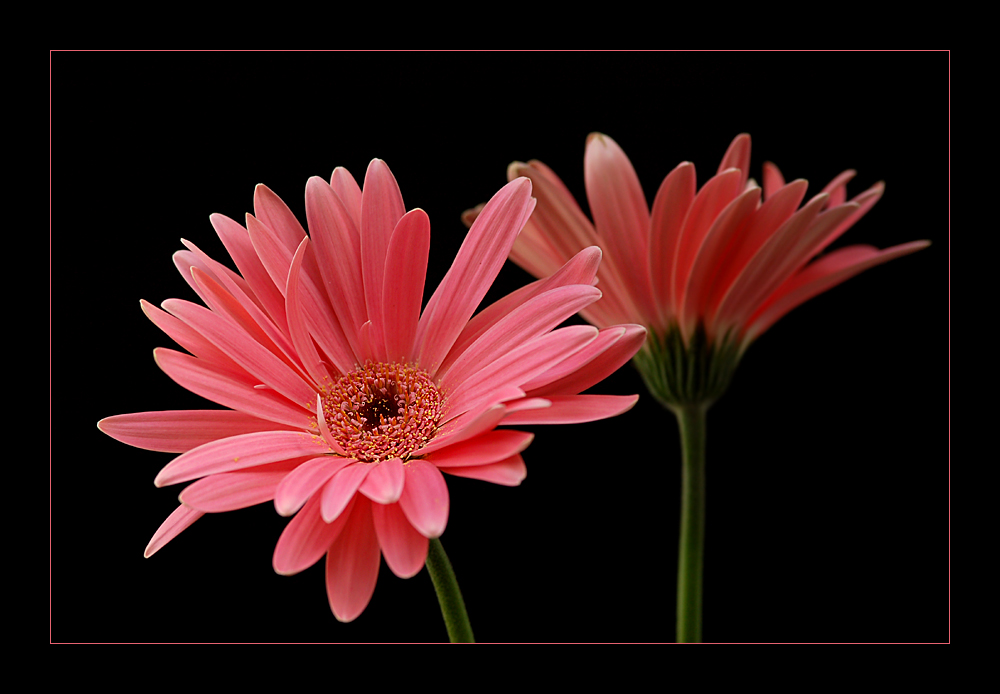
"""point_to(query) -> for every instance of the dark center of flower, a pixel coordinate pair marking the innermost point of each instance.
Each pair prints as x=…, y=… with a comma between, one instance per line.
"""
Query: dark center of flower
x=383, y=411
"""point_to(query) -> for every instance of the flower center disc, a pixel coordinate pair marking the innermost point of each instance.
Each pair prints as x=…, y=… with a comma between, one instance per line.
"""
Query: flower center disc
x=383, y=411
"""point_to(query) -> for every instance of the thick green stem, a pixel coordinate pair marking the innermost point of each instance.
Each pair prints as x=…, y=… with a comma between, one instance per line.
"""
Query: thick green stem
x=691, y=420
x=449, y=596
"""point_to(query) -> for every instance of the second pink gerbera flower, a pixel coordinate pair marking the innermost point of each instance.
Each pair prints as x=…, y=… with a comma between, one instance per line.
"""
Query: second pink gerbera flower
x=345, y=401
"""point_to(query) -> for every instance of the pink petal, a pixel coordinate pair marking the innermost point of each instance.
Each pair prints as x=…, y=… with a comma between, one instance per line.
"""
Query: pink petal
x=228, y=389
x=341, y=489
x=580, y=269
x=236, y=239
x=729, y=224
x=352, y=564
x=535, y=317
x=404, y=549
x=304, y=481
x=621, y=216
x=837, y=188
x=738, y=157
x=403, y=290
x=573, y=409
x=773, y=180
x=306, y=538
x=488, y=448
x=612, y=349
x=776, y=210
x=384, y=482
x=381, y=209
x=274, y=213
x=188, y=338
x=670, y=208
x=760, y=266
x=256, y=359
x=425, y=498
x=823, y=274
x=510, y=472
x=520, y=365
x=240, y=452
x=475, y=267
x=177, y=431
x=178, y=521
x=297, y=330
x=227, y=298
x=349, y=192
x=485, y=416
x=558, y=229
x=229, y=491
x=338, y=249
x=319, y=315
x=713, y=197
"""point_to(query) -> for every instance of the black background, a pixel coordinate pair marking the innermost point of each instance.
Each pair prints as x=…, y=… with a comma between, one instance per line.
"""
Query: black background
x=828, y=459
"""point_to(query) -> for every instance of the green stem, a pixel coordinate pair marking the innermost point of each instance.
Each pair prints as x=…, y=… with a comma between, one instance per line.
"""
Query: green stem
x=691, y=420
x=449, y=596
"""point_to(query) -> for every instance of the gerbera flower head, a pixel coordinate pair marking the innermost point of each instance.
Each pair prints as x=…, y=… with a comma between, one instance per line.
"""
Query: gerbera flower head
x=707, y=270
x=344, y=401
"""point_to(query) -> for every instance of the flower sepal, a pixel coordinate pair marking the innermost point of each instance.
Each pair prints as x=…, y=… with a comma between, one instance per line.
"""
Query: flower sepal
x=696, y=372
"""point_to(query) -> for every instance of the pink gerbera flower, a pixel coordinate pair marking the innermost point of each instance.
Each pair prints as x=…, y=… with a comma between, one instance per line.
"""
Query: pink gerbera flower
x=706, y=271
x=345, y=401
x=714, y=267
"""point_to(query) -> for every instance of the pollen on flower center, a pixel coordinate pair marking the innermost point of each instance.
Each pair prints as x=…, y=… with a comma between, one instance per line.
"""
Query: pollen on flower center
x=383, y=411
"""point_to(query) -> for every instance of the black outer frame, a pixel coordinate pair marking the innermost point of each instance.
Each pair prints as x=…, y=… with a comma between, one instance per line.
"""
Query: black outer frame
x=828, y=459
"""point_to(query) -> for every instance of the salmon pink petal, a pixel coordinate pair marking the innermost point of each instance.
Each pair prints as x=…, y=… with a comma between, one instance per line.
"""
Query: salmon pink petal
x=341, y=489
x=769, y=217
x=510, y=472
x=822, y=275
x=229, y=389
x=711, y=200
x=580, y=269
x=177, y=431
x=488, y=448
x=670, y=208
x=352, y=564
x=299, y=333
x=188, y=338
x=424, y=500
x=729, y=224
x=275, y=215
x=484, y=417
x=837, y=188
x=229, y=491
x=558, y=228
x=384, y=482
x=381, y=209
x=476, y=266
x=574, y=409
x=521, y=364
x=403, y=290
x=320, y=319
x=236, y=239
x=306, y=538
x=239, y=452
x=612, y=349
x=178, y=521
x=256, y=359
x=338, y=248
x=773, y=181
x=535, y=317
x=738, y=157
x=349, y=192
x=404, y=549
x=621, y=215
x=299, y=485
